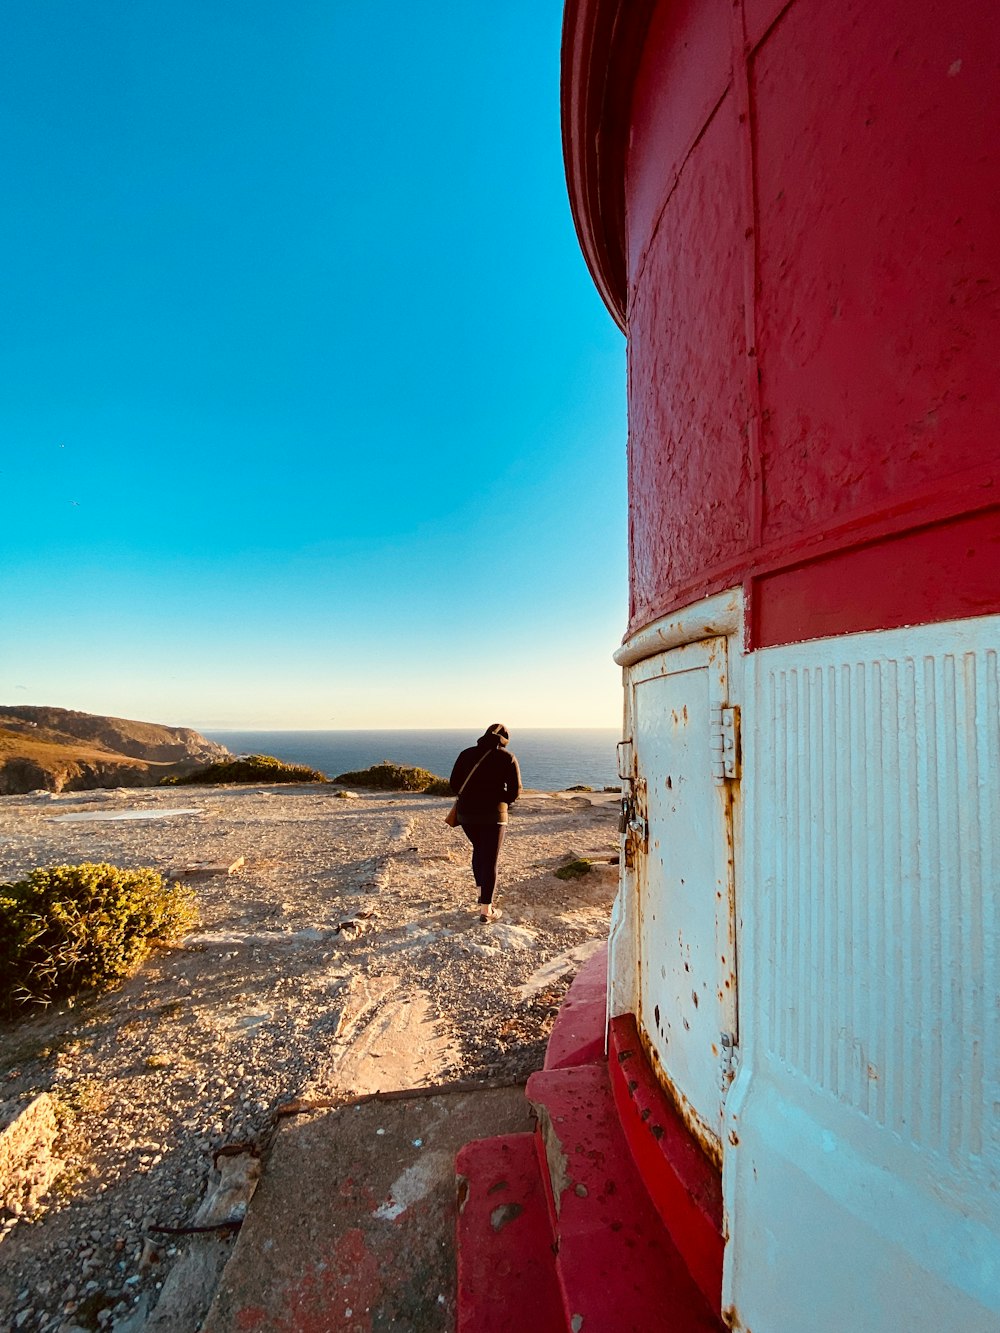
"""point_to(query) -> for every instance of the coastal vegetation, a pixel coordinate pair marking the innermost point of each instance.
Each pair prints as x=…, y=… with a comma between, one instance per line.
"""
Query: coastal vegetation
x=574, y=869
x=71, y=927
x=388, y=776
x=247, y=768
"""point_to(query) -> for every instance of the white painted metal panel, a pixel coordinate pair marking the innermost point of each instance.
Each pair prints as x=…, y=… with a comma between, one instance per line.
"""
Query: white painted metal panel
x=720, y=616
x=686, y=956
x=863, y=1187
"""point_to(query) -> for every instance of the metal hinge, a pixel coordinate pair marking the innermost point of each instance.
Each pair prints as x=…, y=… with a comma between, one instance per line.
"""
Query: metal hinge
x=725, y=737
x=730, y=1058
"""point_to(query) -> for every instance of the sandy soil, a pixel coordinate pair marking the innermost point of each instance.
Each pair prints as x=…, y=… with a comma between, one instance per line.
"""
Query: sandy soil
x=345, y=955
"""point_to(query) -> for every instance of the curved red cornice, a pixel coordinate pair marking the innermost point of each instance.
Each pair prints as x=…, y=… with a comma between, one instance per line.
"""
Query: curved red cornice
x=601, y=46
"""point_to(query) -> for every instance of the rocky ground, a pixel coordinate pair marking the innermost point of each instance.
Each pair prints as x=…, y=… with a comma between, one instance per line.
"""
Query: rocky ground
x=352, y=916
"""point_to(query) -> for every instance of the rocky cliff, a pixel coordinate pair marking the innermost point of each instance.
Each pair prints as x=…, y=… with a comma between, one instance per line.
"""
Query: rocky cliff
x=62, y=750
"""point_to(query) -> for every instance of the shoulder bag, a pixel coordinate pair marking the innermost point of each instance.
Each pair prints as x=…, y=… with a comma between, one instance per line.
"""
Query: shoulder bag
x=451, y=818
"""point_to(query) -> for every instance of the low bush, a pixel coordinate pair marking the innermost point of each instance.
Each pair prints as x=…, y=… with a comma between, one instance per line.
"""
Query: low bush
x=247, y=768
x=388, y=776
x=573, y=869
x=67, y=928
x=439, y=787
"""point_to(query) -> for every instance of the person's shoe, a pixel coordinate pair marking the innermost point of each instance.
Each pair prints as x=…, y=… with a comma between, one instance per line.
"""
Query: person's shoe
x=490, y=913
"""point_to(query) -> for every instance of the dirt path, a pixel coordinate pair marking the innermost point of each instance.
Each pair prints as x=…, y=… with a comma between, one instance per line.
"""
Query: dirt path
x=344, y=954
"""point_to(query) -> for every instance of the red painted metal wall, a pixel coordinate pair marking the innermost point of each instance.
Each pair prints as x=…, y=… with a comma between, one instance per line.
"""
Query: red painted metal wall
x=794, y=210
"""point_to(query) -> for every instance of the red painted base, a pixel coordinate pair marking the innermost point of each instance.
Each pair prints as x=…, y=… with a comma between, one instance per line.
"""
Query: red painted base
x=506, y=1265
x=618, y=1268
x=558, y=1231
x=683, y=1185
x=577, y=1037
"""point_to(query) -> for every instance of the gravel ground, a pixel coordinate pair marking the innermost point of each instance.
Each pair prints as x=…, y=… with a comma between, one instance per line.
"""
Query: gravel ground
x=343, y=902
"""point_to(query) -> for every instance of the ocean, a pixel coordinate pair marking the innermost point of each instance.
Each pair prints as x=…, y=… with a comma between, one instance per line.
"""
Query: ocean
x=550, y=759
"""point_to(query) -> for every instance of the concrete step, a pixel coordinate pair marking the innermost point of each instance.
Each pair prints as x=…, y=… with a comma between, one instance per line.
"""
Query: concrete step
x=353, y=1224
x=506, y=1265
x=618, y=1269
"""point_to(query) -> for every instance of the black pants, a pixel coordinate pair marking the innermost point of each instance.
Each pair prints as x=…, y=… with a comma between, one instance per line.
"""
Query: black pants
x=486, y=839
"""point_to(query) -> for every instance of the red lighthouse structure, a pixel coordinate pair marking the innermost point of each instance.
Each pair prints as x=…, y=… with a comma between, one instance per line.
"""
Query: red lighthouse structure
x=791, y=210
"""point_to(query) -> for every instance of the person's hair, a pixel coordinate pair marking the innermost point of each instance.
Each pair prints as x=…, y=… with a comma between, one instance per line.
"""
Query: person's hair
x=495, y=734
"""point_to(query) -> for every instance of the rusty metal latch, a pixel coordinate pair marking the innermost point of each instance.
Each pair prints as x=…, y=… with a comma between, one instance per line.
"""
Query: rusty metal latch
x=640, y=829
x=730, y=1057
x=633, y=827
x=725, y=732
x=626, y=759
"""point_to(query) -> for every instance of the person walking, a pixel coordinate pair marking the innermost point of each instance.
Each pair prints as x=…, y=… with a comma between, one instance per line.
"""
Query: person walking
x=487, y=781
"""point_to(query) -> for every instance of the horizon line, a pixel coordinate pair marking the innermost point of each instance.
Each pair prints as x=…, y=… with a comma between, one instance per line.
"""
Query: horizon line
x=582, y=726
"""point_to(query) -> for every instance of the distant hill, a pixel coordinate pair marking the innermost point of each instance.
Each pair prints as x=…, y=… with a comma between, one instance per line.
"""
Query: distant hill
x=61, y=750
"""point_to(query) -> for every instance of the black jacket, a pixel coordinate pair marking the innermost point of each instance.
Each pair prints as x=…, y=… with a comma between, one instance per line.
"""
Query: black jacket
x=494, y=786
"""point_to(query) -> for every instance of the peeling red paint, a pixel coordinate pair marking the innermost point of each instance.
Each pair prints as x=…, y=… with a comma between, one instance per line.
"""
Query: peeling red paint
x=324, y=1295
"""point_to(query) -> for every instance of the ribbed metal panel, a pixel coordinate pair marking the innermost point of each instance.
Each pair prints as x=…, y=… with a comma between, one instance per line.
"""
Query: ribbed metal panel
x=879, y=809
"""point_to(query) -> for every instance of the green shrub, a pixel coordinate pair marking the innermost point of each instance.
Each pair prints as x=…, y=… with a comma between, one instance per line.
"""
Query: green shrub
x=439, y=787
x=248, y=768
x=573, y=869
x=69, y=927
x=388, y=776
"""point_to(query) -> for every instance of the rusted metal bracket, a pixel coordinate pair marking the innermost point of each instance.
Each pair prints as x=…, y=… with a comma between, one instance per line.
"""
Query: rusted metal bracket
x=631, y=822
x=639, y=828
x=725, y=736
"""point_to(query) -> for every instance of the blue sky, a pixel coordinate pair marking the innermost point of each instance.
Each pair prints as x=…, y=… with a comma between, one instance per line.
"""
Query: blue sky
x=310, y=413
